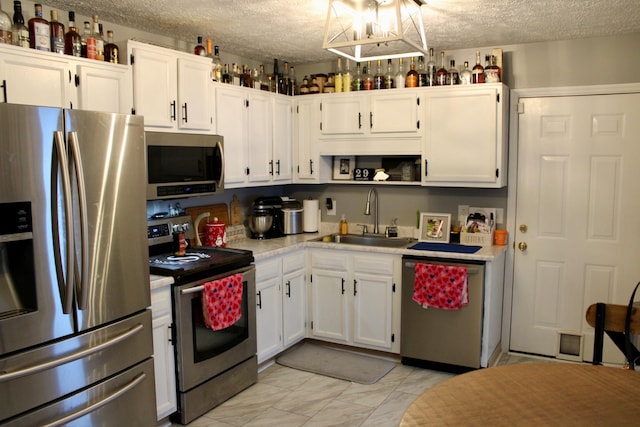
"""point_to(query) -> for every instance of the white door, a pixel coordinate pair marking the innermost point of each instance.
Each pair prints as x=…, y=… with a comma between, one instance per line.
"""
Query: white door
x=231, y=123
x=282, y=139
x=260, y=124
x=269, y=318
x=372, y=309
x=577, y=205
x=155, y=87
x=330, y=312
x=193, y=95
x=104, y=88
x=294, y=307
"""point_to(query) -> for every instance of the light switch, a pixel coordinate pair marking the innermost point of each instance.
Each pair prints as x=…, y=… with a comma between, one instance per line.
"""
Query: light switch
x=332, y=211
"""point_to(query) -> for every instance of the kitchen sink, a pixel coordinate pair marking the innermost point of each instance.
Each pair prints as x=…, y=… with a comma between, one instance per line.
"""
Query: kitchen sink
x=368, y=240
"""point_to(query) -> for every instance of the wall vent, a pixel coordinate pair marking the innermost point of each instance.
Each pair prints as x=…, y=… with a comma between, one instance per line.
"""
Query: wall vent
x=570, y=346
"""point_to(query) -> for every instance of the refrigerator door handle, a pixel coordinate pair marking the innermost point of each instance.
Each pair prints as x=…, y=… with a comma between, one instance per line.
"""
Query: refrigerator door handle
x=60, y=166
x=83, y=285
x=93, y=407
x=7, y=376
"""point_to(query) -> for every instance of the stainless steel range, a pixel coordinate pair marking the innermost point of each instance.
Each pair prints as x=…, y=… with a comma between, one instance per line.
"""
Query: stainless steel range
x=211, y=366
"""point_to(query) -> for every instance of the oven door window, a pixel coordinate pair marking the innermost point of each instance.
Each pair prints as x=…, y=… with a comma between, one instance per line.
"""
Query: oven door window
x=209, y=343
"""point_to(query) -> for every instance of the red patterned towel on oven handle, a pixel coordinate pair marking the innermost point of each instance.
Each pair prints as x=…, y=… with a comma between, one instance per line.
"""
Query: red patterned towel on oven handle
x=222, y=302
x=440, y=286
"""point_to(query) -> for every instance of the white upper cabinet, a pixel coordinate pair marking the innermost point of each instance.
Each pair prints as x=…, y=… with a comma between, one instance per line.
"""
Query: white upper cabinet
x=465, y=142
x=282, y=139
x=259, y=123
x=171, y=89
x=231, y=123
x=343, y=115
x=305, y=146
x=48, y=79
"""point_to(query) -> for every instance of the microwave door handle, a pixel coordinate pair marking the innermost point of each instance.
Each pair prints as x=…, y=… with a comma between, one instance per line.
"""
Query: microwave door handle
x=60, y=167
x=83, y=285
x=221, y=180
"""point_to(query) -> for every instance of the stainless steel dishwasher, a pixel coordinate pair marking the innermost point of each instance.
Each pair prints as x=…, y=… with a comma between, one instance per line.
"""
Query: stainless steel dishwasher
x=444, y=339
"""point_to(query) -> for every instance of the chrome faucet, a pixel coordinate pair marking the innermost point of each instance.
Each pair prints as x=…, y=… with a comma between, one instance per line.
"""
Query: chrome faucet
x=367, y=208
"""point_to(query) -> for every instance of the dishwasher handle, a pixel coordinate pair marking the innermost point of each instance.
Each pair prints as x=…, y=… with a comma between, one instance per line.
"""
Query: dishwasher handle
x=470, y=270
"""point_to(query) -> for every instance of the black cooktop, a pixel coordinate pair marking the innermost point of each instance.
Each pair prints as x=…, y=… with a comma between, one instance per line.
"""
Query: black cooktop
x=199, y=261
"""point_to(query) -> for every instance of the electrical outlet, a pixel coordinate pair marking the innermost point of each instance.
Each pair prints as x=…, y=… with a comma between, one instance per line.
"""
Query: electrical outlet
x=332, y=211
x=499, y=216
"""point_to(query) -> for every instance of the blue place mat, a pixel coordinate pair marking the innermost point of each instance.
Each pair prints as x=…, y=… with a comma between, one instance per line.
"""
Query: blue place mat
x=445, y=247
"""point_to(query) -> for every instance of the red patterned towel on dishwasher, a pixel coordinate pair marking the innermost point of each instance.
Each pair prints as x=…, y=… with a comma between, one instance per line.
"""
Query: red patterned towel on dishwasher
x=440, y=286
x=222, y=302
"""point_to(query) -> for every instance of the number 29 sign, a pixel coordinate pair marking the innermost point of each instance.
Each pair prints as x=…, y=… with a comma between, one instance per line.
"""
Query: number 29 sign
x=363, y=174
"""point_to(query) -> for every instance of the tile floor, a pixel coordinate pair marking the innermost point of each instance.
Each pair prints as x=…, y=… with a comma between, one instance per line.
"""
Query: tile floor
x=286, y=397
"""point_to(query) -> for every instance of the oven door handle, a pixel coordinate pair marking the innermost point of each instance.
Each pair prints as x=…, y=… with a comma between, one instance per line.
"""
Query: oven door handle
x=192, y=290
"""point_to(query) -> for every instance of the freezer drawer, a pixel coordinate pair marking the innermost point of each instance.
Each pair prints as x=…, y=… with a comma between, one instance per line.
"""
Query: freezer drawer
x=451, y=337
x=43, y=374
x=128, y=399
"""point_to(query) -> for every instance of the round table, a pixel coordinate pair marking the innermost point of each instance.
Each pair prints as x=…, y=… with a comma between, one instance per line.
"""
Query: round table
x=535, y=394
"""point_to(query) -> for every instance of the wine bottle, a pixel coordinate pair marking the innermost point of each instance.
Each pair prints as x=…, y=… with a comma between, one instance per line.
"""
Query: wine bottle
x=412, y=75
x=441, y=74
x=199, y=49
x=477, y=73
x=388, y=76
x=337, y=78
x=6, y=27
x=39, y=34
x=111, y=50
x=99, y=40
x=88, y=42
x=422, y=73
x=275, y=80
x=357, y=79
x=72, y=39
x=400, y=77
x=378, y=78
x=20, y=31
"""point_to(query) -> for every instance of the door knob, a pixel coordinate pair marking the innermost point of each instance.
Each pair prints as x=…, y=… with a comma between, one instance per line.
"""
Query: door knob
x=522, y=246
x=523, y=228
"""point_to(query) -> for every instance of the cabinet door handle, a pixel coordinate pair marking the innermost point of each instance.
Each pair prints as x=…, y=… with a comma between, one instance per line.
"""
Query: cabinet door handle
x=355, y=287
x=259, y=300
x=342, y=286
x=371, y=120
x=311, y=167
x=288, y=291
x=186, y=114
x=278, y=167
x=425, y=167
x=271, y=167
x=359, y=120
x=4, y=90
x=173, y=110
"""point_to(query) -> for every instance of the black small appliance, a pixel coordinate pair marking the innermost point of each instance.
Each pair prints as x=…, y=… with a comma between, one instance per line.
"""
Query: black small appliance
x=269, y=206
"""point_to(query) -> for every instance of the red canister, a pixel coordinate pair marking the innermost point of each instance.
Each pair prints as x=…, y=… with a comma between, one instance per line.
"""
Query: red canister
x=216, y=233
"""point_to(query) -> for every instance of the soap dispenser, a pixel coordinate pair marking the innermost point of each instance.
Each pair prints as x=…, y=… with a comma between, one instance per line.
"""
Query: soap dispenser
x=344, y=227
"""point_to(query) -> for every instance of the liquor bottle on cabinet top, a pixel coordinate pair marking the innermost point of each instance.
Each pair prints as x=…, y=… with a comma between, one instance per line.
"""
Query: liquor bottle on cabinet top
x=304, y=87
x=199, y=48
x=492, y=73
x=235, y=74
x=217, y=64
x=285, y=79
x=347, y=77
x=99, y=40
x=226, y=77
x=209, y=47
x=465, y=74
x=313, y=87
x=400, y=78
x=357, y=79
x=477, y=73
x=337, y=78
x=388, y=76
x=441, y=74
x=378, y=78
x=293, y=83
x=111, y=50
x=412, y=75
x=39, y=35
x=72, y=39
x=422, y=73
x=367, y=78
x=6, y=28
x=452, y=73
x=57, y=33
x=255, y=79
x=88, y=42
x=20, y=31
x=431, y=69
x=245, y=76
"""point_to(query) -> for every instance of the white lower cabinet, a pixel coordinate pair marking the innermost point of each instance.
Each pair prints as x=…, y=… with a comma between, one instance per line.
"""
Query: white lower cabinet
x=355, y=298
x=163, y=355
x=281, y=302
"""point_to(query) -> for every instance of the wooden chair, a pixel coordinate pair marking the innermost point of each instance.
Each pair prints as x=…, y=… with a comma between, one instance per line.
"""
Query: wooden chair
x=610, y=318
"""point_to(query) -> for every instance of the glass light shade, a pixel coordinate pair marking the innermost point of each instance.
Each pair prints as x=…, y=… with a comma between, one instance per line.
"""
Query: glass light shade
x=368, y=30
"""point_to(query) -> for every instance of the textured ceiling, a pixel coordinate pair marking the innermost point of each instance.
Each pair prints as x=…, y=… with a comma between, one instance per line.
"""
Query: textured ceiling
x=292, y=30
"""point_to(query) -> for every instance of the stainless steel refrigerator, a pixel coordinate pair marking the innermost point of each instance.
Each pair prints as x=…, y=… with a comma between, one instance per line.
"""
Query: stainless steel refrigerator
x=75, y=327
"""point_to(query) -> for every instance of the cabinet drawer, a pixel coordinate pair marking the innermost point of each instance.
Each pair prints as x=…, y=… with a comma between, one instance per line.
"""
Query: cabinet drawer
x=373, y=264
x=268, y=269
x=293, y=261
x=329, y=261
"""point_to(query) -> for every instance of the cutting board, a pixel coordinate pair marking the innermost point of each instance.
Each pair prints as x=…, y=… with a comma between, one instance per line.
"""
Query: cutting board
x=219, y=210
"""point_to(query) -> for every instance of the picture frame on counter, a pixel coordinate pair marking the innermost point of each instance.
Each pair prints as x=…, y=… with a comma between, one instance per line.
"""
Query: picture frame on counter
x=434, y=227
x=343, y=167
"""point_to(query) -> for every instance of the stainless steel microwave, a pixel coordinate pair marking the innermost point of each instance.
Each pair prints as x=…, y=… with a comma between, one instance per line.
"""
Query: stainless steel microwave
x=183, y=165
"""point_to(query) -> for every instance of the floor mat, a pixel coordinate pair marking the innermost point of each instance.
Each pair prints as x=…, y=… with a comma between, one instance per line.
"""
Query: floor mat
x=336, y=363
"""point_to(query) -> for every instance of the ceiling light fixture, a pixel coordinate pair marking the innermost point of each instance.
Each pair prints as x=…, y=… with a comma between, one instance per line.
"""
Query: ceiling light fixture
x=368, y=30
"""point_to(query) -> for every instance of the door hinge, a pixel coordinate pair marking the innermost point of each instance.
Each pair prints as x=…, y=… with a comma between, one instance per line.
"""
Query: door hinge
x=311, y=278
x=320, y=125
x=131, y=59
x=246, y=103
x=173, y=339
x=520, y=107
x=321, y=106
x=418, y=100
x=393, y=337
x=497, y=97
x=133, y=111
x=297, y=109
x=393, y=288
x=247, y=171
x=312, y=324
x=497, y=173
x=418, y=124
